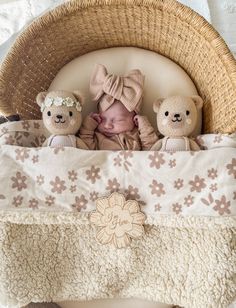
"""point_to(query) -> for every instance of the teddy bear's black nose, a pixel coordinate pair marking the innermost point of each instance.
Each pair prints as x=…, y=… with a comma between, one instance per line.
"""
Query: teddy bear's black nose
x=177, y=115
x=59, y=116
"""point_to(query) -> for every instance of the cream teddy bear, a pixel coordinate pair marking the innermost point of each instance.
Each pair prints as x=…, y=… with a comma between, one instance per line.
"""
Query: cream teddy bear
x=176, y=120
x=62, y=117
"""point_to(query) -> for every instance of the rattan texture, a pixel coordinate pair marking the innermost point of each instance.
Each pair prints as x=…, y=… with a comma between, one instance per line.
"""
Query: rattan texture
x=163, y=26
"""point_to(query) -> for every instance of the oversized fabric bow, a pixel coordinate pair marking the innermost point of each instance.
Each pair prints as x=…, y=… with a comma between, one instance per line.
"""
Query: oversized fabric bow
x=107, y=88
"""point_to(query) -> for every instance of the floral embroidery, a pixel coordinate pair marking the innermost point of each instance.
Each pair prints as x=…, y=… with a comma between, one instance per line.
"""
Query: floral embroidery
x=179, y=184
x=17, y=201
x=212, y=173
x=93, y=174
x=157, y=188
x=40, y=179
x=36, y=125
x=80, y=203
x=222, y=206
x=218, y=139
x=10, y=140
x=172, y=163
x=177, y=208
x=119, y=160
x=35, y=159
x=25, y=125
x=33, y=203
x=113, y=185
x=157, y=207
x=93, y=196
x=232, y=168
x=22, y=154
x=132, y=193
x=72, y=175
x=213, y=187
x=19, y=181
x=57, y=150
x=197, y=184
x=4, y=130
x=127, y=154
x=73, y=188
x=50, y=200
x=118, y=220
x=156, y=160
x=58, y=185
x=188, y=200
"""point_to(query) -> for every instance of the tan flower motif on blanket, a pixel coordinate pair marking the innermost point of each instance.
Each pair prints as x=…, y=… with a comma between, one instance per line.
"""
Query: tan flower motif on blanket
x=93, y=174
x=156, y=160
x=25, y=125
x=22, y=154
x=50, y=200
x=80, y=203
x=212, y=173
x=72, y=175
x=58, y=185
x=232, y=168
x=157, y=188
x=17, y=201
x=112, y=185
x=177, y=208
x=19, y=181
x=118, y=220
x=222, y=206
x=197, y=184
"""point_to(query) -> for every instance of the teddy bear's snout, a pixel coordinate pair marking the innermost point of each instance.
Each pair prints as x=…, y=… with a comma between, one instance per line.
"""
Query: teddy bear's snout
x=177, y=118
x=60, y=118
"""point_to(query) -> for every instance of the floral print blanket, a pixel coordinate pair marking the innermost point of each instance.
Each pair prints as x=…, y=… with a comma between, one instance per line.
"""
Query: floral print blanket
x=68, y=179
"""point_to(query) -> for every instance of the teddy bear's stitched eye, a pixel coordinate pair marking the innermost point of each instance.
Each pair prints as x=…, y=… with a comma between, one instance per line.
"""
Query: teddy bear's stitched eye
x=187, y=112
x=71, y=113
x=49, y=113
x=166, y=113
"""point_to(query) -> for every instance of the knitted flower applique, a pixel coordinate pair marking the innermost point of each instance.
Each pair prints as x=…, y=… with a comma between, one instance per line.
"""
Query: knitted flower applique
x=118, y=220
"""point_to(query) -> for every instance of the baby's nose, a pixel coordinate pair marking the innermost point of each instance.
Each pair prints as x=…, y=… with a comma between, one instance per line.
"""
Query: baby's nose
x=108, y=124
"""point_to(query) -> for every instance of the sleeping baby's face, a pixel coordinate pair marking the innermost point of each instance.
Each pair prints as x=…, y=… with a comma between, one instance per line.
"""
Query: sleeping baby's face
x=115, y=120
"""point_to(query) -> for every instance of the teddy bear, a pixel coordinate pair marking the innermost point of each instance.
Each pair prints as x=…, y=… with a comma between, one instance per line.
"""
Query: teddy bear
x=176, y=120
x=61, y=112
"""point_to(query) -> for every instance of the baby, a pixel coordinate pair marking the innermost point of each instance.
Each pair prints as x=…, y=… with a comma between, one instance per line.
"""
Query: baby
x=117, y=125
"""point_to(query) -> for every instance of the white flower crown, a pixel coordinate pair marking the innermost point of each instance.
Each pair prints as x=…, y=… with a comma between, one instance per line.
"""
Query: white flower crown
x=61, y=101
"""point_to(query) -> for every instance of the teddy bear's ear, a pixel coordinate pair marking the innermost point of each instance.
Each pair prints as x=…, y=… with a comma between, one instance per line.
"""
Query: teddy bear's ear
x=157, y=104
x=41, y=98
x=77, y=94
x=198, y=101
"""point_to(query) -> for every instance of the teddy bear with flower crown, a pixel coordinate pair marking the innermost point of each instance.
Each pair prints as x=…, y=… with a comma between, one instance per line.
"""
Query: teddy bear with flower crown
x=61, y=112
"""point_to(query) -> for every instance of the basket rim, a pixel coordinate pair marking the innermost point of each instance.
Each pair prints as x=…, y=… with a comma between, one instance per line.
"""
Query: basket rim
x=174, y=7
x=196, y=25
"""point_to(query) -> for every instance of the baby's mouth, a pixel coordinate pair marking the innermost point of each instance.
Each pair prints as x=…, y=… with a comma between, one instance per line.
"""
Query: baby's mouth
x=108, y=134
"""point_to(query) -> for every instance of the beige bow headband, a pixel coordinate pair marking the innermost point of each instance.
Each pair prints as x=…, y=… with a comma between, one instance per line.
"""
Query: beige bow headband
x=106, y=88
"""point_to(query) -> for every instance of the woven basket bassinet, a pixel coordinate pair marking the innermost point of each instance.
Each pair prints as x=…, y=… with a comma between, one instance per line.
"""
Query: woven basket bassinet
x=170, y=29
x=79, y=27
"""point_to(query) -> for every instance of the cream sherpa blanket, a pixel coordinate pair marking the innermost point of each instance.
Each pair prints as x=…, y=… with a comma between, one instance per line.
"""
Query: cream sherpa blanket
x=51, y=250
